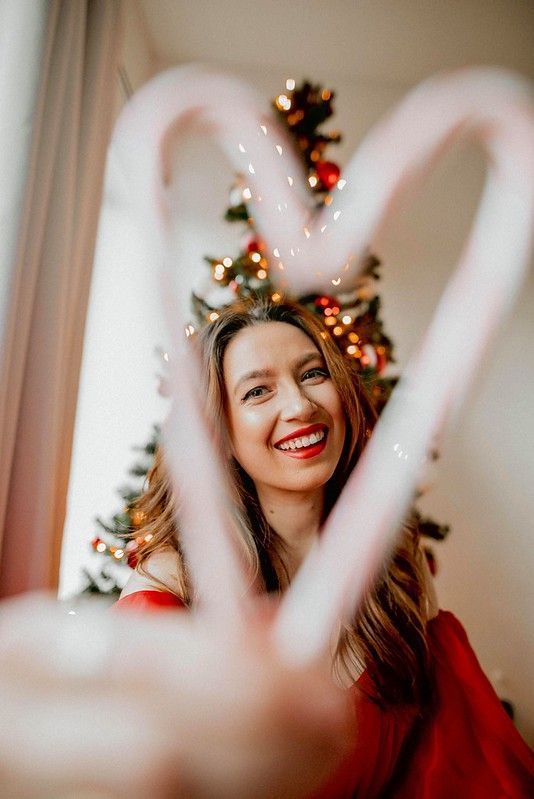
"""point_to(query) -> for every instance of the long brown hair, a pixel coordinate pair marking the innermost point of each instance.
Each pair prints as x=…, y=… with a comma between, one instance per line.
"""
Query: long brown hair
x=387, y=635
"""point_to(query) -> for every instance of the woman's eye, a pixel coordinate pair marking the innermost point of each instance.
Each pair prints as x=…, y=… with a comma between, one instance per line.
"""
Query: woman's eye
x=254, y=393
x=310, y=374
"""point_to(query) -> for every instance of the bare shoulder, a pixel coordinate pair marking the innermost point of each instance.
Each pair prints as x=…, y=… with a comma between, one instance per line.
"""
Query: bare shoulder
x=163, y=567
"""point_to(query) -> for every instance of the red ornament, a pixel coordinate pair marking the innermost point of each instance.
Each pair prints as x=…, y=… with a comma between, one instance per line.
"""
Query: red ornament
x=131, y=560
x=328, y=173
x=373, y=357
x=255, y=245
x=381, y=360
x=131, y=552
x=95, y=542
x=325, y=301
x=431, y=561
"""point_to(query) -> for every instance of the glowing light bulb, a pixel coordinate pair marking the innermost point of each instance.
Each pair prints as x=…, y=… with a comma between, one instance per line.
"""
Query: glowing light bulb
x=118, y=554
x=290, y=84
x=227, y=262
x=290, y=180
x=351, y=349
x=251, y=169
x=261, y=273
x=276, y=252
x=337, y=214
x=283, y=102
x=338, y=330
x=213, y=316
x=101, y=547
x=247, y=194
x=279, y=149
x=326, y=94
x=256, y=257
x=341, y=184
x=312, y=180
x=346, y=319
x=276, y=297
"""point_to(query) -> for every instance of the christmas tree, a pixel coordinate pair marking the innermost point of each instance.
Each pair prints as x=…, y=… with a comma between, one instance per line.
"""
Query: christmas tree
x=353, y=320
x=116, y=540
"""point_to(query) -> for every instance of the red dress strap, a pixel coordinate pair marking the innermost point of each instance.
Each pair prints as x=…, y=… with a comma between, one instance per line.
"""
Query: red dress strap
x=148, y=601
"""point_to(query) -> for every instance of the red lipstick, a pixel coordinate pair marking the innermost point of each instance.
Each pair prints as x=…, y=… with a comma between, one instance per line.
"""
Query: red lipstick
x=303, y=431
x=304, y=452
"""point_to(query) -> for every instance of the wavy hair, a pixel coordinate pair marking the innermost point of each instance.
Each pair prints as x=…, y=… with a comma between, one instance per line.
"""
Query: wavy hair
x=387, y=635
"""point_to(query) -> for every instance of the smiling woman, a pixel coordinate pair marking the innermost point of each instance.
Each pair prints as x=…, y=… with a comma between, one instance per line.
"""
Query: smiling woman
x=274, y=381
x=287, y=431
x=293, y=420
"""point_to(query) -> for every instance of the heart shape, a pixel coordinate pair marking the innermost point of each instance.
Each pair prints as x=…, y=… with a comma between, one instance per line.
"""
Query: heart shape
x=313, y=252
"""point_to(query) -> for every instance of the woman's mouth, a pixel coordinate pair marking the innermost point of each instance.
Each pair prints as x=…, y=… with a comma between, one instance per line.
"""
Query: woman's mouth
x=304, y=444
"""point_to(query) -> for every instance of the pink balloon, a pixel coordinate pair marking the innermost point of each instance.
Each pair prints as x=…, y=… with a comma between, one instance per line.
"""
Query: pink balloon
x=311, y=254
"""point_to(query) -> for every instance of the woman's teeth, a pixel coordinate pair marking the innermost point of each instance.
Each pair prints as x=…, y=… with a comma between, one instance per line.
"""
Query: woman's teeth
x=303, y=441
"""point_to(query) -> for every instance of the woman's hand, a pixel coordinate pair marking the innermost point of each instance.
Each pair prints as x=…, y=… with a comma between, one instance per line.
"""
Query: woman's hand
x=158, y=707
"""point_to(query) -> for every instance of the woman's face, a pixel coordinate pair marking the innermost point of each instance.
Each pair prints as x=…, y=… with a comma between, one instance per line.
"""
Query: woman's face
x=285, y=417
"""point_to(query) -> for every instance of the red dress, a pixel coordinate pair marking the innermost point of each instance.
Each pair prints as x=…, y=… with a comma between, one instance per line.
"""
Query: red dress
x=465, y=748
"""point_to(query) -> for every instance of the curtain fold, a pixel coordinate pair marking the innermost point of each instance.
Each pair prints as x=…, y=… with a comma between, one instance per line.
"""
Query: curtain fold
x=50, y=277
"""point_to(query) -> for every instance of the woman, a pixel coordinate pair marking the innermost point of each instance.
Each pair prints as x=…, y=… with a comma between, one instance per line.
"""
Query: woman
x=295, y=420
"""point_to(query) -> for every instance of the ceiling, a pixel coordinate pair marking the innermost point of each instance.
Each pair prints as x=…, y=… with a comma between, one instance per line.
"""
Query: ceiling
x=396, y=42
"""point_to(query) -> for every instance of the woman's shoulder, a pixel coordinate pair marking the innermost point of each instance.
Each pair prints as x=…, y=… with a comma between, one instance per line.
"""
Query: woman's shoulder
x=157, y=585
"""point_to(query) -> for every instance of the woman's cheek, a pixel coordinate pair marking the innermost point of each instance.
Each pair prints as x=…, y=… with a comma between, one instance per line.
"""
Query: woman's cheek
x=256, y=422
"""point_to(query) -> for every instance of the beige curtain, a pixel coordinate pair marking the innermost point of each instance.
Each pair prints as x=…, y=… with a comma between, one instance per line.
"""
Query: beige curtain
x=48, y=281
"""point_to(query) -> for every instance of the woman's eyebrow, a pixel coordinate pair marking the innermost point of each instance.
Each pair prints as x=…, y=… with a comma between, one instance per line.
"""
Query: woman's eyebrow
x=310, y=356
x=252, y=376
x=299, y=363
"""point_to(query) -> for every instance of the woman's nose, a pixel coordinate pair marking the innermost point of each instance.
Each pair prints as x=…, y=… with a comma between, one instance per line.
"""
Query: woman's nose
x=296, y=405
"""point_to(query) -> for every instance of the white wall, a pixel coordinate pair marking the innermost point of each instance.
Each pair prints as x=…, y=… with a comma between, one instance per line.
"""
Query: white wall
x=483, y=485
x=118, y=400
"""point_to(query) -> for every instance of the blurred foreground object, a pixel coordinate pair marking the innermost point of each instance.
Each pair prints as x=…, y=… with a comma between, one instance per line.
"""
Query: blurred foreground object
x=157, y=707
